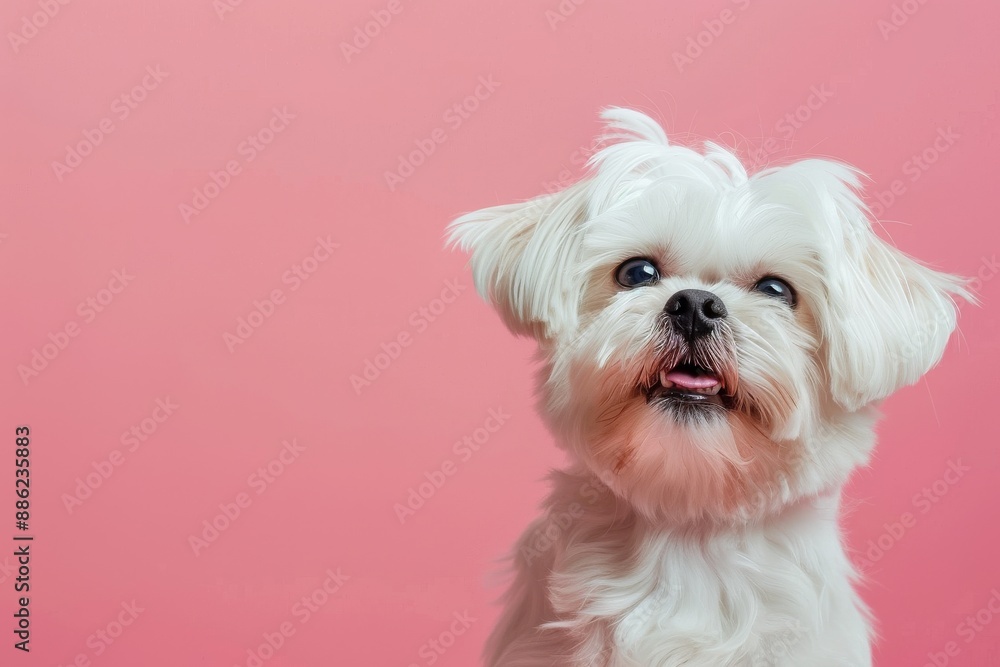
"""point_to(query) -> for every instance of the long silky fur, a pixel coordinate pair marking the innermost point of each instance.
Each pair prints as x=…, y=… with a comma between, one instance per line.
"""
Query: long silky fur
x=702, y=536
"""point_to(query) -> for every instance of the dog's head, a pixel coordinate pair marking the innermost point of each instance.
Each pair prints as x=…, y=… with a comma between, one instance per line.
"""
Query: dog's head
x=711, y=341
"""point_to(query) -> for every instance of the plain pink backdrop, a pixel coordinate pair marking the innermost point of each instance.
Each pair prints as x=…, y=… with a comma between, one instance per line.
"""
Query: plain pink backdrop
x=885, y=82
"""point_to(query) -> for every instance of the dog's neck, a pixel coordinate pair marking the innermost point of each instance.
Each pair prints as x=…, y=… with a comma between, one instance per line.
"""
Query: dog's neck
x=580, y=495
x=593, y=568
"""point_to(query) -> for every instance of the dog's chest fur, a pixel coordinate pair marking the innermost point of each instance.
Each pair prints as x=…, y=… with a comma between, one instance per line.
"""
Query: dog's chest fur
x=614, y=591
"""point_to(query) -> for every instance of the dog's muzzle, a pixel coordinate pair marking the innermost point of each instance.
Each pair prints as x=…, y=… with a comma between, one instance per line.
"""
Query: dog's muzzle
x=695, y=373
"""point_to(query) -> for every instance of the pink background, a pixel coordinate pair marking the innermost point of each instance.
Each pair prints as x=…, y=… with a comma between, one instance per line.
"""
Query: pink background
x=884, y=95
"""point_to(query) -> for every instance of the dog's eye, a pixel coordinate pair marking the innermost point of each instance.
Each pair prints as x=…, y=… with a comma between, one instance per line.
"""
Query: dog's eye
x=776, y=288
x=636, y=272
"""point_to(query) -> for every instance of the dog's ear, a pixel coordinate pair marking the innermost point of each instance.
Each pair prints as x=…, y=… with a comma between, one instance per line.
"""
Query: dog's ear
x=885, y=318
x=524, y=255
x=523, y=258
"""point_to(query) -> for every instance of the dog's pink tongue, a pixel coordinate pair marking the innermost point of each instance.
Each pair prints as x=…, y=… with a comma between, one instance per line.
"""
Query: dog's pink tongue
x=688, y=381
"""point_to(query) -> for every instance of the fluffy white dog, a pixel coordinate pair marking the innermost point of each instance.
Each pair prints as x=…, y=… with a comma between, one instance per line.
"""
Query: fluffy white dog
x=713, y=346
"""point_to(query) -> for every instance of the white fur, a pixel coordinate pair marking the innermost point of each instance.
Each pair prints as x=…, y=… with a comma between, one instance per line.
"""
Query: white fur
x=709, y=541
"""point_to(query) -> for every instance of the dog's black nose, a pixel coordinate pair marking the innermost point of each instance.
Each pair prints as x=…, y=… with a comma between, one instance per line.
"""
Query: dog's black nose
x=694, y=312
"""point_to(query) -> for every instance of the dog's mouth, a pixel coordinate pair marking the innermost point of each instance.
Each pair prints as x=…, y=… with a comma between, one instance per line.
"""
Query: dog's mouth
x=689, y=384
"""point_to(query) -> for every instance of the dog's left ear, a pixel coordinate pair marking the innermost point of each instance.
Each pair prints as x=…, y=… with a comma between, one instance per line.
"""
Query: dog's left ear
x=885, y=318
x=523, y=256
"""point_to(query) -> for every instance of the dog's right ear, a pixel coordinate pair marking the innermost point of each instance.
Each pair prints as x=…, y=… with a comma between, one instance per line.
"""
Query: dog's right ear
x=524, y=255
x=523, y=258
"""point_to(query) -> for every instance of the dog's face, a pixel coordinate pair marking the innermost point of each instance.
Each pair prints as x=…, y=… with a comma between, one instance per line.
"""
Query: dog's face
x=710, y=341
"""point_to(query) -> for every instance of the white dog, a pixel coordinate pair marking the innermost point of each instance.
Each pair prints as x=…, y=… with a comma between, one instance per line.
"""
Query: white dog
x=713, y=346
